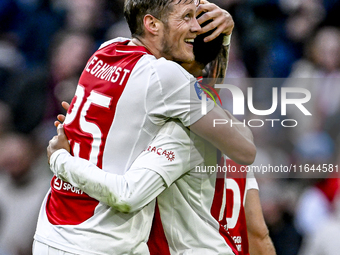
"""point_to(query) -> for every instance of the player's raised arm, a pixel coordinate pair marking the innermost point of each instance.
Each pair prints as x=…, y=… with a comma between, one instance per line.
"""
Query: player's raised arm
x=230, y=139
x=220, y=127
x=236, y=141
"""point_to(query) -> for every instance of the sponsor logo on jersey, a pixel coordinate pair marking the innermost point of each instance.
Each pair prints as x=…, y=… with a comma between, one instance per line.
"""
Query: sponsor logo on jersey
x=61, y=185
x=169, y=155
x=204, y=91
x=198, y=90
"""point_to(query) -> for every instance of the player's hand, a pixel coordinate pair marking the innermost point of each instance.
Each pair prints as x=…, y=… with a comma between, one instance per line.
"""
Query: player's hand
x=61, y=117
x=58, y=142
x=221, y=20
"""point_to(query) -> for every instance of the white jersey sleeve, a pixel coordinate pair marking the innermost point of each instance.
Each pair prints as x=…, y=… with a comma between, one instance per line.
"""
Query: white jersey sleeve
x=117, y=39
x=126, y=193
x=167, y=156
x=179, y=91
x=172, y=153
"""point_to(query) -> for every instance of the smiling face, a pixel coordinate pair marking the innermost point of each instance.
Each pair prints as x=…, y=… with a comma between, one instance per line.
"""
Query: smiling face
x=179, y=32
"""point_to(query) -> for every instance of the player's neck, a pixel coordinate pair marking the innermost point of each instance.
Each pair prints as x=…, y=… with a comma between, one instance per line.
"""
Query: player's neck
x=139, y=42
x=194, y=68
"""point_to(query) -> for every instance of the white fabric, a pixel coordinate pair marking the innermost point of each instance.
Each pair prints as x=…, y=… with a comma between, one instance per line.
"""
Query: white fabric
x=324, y=241
x=312, y=210
x=127, y=193
x=43, y=249
x=251, y=182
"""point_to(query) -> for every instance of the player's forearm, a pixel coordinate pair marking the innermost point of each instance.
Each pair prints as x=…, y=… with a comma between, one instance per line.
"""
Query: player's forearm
x=216, y=70
x=125, y=193
x=219, y=66
x=244, y=130
x=261, y=245
x=260, y=242
x=216, y=128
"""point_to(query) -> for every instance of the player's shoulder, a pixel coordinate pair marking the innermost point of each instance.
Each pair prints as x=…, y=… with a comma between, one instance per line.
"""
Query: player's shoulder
x=170, y=71
x=162, y=63
x=112, y=41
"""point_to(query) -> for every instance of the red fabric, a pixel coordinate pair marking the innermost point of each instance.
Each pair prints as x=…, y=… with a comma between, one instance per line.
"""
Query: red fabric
x=157, y=243
x=329, y=187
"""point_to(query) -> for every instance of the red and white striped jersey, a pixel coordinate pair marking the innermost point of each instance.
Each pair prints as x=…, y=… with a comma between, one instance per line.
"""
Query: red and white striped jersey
x=228, y=206
x=123, y=98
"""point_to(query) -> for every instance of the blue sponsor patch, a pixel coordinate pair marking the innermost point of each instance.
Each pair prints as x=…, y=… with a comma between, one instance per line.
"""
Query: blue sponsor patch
x=198, y=90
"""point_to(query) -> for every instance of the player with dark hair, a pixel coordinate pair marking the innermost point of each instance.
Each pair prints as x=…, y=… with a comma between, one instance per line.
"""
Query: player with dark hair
x=243, y=218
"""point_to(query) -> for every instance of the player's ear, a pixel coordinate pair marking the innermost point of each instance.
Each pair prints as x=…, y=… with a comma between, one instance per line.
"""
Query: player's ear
x=152, y=24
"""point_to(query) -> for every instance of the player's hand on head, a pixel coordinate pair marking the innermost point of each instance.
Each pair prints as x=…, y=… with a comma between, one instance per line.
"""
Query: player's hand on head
x=58, y=142
x=221, y=20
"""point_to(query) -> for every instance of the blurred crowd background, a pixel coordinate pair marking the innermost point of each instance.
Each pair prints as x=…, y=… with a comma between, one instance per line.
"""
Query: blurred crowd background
x=44, y=45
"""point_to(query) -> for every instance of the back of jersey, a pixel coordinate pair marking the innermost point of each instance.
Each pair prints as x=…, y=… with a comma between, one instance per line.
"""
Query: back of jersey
x=228, y=204
x=88, y=125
